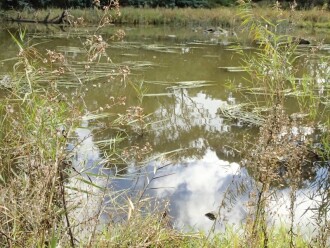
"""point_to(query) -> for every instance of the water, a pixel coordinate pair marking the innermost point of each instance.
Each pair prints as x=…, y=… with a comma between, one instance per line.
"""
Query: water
x=181, y=80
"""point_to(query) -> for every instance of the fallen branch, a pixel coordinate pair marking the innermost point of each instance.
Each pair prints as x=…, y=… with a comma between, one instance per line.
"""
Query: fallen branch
x=62, y=19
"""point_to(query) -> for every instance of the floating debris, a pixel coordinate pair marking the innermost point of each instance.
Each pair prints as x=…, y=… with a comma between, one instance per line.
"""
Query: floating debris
x=6, y=82
x=233, y=68
x=210, y=56
x=211, y=215
x=185, y=50
x=189, y=84
x=158, y=94
x=129, y=55
x=70, y=49
x=135, y=65
x=239, y=112
x=325, y=47
x=162, y=49
x=90, y=116
x=126, y=45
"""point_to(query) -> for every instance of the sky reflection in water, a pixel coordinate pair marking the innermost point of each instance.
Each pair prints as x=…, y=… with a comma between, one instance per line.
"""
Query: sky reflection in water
x=196, y=187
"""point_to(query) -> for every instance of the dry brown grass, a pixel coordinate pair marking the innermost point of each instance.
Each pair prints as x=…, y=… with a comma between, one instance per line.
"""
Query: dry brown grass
x=32, y=162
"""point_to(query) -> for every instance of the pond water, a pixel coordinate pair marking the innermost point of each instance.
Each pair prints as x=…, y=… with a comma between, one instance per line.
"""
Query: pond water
x=179, y=76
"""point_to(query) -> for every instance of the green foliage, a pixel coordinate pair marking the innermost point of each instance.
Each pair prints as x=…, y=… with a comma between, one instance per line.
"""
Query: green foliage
x=28, y=4
x=307, y=3
x=214, y=3
x=165, y=3
x=191, y=3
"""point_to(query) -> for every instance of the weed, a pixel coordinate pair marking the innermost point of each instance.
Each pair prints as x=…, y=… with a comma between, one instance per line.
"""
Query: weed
x=279, y=154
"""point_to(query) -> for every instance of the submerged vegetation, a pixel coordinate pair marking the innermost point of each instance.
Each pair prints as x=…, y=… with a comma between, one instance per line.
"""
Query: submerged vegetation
x=50, y=198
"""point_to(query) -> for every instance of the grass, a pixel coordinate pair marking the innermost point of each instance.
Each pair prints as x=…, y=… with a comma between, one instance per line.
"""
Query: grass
x=37, y=180
x=272, y=69
x=224, y=16
x=156, y=234
x=33, y=140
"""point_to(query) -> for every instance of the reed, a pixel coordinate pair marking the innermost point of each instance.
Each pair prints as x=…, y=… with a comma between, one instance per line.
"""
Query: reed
x=272, y=69
x=224, y=16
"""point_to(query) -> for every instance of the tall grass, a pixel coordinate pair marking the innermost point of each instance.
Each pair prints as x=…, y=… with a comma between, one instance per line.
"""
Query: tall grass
x=224, y=16
x=35, y=124
x=33, y=144
x=279, y=154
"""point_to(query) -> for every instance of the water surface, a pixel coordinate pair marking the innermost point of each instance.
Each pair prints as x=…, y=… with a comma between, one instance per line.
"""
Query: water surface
x=182, y=77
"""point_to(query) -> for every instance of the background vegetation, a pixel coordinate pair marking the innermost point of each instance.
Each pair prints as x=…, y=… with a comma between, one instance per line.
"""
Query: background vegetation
x=19, y=4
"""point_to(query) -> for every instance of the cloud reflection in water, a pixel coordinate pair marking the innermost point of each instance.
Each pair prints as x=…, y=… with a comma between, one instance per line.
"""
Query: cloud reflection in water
x=197, y=187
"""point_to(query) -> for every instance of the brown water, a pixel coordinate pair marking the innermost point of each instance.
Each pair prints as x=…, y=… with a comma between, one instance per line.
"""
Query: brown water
x=182, y=72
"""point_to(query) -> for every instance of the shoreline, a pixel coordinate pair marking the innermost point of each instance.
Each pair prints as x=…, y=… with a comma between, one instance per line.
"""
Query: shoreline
x=223, y=17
